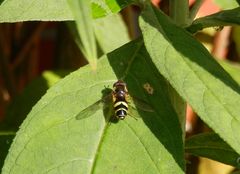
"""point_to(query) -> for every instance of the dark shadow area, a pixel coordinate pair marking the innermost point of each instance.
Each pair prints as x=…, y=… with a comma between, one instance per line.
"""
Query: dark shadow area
x=186, y=45
x=137, y=69
x=22, y=104
x=1, y=1
x=5, y=142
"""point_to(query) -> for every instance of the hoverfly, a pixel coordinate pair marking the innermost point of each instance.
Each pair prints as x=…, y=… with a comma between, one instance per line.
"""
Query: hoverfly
x=120, y=100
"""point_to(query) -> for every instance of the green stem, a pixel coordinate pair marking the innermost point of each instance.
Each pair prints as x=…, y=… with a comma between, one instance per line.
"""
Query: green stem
x=179, y=12
x=194, y=10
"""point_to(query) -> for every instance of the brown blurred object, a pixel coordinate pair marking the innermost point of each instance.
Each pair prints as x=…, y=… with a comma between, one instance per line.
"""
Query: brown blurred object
x=221, y=43
x=19, y=47
x=156, y=2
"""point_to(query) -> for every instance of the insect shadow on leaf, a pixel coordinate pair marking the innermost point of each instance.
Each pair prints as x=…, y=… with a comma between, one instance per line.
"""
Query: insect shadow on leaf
x=105, y=103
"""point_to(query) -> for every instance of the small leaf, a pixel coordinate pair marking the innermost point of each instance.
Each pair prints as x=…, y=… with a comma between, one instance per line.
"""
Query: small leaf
x=222, y=18
x=118, y=5
x=194, y=74
x=117, y=35
x=210, y=145
x=226, y=4
x=83, y=19
x=56, y=142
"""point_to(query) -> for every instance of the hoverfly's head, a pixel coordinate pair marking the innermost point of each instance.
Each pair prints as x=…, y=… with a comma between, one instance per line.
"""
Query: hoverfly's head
x=120, y=85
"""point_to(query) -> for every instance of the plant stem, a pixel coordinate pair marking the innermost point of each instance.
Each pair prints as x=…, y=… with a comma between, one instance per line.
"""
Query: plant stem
x=179, y=12
x=194, y=10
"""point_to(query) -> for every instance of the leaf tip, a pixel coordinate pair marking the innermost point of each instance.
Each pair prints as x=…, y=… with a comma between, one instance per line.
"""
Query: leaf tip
x=93, y=65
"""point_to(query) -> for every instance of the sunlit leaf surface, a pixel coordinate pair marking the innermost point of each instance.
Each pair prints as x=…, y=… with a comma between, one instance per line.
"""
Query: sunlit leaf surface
x=52, y=140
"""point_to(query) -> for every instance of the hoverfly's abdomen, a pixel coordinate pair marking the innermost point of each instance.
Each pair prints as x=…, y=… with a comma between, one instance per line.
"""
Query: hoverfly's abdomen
x=120, y=94
x=121, y=109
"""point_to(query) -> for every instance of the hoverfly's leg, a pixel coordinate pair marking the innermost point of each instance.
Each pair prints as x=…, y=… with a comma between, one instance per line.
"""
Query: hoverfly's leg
x=128, y=98
x=113, y=97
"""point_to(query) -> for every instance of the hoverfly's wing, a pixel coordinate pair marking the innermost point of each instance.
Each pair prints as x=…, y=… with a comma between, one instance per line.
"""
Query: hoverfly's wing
x=136, y=104
x=142, y=105
x=90, y=110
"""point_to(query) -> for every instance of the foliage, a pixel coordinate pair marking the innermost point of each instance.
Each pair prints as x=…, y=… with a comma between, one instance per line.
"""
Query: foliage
x=165, y=67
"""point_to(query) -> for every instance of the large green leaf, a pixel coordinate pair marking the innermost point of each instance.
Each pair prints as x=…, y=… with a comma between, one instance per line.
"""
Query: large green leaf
x=52, y=140
x=53, y=10
x=195, y=75
x=222, y=18
x=210, y=145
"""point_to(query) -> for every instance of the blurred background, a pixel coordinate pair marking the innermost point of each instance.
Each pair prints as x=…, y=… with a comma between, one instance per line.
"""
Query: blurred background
x=35, y=55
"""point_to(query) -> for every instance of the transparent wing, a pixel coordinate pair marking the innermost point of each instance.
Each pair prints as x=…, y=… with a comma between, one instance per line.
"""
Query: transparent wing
x=90, y=110
x=140, y=104
x=135, y=104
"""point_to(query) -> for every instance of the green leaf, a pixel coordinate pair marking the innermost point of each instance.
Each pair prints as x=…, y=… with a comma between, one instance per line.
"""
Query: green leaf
x=32, y=10
x=100, y=8
x=117, y=35
x=232, y=68
x=53, y=10
x=56, y=142
x=117, y=5
x=5, y=141
x=83, y=19
x=107, y=41
x=222, y=18
x=180, y=107
x=210, y=145
x=194, y=73
x=226, y=4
